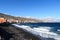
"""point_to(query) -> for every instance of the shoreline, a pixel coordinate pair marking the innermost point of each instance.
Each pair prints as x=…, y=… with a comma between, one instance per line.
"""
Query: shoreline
x=18, y=34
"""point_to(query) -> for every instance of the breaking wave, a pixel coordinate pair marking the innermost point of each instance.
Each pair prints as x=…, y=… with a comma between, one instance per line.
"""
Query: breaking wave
x=44, y=32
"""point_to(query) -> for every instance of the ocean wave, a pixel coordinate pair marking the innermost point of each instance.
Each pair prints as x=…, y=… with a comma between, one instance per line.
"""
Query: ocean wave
x=40, y=31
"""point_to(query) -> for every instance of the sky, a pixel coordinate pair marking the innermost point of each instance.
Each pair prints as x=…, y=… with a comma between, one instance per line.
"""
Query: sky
x=31, y=8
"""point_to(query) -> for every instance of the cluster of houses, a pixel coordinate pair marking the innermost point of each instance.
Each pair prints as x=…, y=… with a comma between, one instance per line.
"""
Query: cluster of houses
x=20, y=21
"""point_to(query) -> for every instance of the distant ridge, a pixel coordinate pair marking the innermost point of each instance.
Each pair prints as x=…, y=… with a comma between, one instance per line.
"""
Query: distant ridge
x=20, y=19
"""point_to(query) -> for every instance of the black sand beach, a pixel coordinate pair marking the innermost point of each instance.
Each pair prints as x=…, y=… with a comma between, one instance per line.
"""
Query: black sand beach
x=12, y=33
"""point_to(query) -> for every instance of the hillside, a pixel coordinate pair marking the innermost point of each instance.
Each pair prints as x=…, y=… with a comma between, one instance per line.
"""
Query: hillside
x=19, y=19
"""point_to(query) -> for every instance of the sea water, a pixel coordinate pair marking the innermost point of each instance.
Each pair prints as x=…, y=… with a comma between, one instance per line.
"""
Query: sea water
x=55, y=27
x=45, y=30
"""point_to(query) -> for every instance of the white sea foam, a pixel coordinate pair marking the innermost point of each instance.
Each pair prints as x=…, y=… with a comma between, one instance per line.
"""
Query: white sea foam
x=41, y=31
x=58, y=30
x=42, y=28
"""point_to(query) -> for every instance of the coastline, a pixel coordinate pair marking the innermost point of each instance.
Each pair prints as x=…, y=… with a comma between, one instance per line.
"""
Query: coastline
x=18, y=34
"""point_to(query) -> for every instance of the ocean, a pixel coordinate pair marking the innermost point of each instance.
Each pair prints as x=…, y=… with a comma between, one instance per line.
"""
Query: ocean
x=45, y=30
x=54, y=26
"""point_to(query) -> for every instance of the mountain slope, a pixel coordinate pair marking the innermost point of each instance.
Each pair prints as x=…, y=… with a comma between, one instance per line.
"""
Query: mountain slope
x=20, y=19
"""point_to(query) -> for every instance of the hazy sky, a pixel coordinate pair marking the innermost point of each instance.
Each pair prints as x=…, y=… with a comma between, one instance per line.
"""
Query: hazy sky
x=34, y=8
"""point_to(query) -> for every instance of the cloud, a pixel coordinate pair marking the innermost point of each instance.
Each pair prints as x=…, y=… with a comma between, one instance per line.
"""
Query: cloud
x=50, y=19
